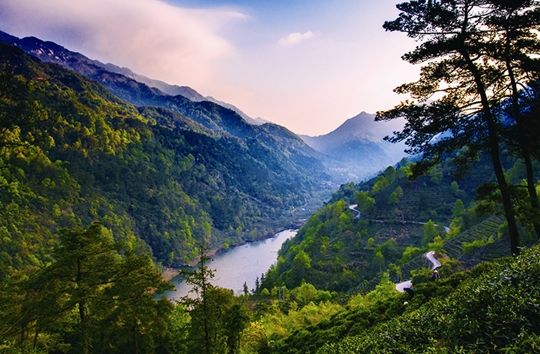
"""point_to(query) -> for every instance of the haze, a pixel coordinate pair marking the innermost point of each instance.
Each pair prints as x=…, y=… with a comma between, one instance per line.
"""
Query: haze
x=307, y=65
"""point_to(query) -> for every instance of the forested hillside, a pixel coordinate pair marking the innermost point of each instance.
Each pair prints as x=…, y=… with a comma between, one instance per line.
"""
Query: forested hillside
x=399, y=251
x=395, y=220
x=73, y=153
x=489, y=308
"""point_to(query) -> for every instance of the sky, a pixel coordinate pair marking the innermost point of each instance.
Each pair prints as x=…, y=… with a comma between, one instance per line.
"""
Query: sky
x=305, y=64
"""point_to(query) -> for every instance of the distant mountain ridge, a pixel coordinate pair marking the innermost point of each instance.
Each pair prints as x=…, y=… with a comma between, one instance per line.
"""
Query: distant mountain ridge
x=353, y=151
x=51, y=52
x=218, y=117
x=358, y=144
x=360, y=127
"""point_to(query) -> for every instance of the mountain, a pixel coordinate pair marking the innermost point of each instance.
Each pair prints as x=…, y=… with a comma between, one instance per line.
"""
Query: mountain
x=51, y=52
x=220, y=118
x=358, y=146
x=72, y=152
x=341, y=249
x=175, y=90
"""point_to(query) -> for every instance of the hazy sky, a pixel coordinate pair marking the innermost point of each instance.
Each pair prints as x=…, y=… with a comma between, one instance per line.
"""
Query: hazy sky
x=304, y=64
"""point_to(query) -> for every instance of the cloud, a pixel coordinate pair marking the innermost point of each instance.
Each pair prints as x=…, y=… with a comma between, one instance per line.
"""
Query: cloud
x=295, y=38
x=152, y=37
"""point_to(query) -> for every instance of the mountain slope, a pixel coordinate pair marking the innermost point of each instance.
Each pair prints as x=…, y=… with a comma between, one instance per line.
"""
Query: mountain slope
x=71, y=152
x=358, y=145
x=338, y=249
x=215, y=117
x=51, y=52
x=489, y=308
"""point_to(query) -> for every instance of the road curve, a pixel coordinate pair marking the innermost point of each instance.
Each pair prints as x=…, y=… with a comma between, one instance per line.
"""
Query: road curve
x=354, y=207
x=435, y=264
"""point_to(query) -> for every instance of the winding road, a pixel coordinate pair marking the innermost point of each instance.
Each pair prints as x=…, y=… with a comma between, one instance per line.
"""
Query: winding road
x=435, y=264
x=354, y=207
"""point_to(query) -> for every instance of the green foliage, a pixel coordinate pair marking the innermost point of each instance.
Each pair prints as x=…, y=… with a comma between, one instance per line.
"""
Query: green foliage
x=268, y=332
x=409, y=253
x=492, y=309
x=346, y=253
x=302, y=261
x=176, y=335
x=385, y=290
x=306, y=293
x=380, y=183
x=396, y=195
x=365, y=202
x=479, y=243
x=459, y=209
x=429, y=232
x=470, y=85
x=217, y=316
x=93, y=294
x=455, y=187
x=436, y=244
x=71, y=153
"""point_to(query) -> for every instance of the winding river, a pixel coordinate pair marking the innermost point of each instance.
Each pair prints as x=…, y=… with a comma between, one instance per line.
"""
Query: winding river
x=240, y=264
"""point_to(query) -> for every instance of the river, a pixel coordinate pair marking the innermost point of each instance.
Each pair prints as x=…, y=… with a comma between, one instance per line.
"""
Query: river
x=239, y=264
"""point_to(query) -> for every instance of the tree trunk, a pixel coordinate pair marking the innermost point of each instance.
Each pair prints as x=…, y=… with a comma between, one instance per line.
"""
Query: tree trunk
x=494, y=147
x=532, y=192
x=82, y=316
x=36, y=334
x=522, y=138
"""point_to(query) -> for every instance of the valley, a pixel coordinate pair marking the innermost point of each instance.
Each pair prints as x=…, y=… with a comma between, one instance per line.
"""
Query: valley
x=178, y=177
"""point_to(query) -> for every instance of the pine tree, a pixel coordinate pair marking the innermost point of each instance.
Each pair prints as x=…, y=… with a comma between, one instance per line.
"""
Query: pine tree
x=200, y=281
x=454, y=99
x=514, y=45
x=93, y=294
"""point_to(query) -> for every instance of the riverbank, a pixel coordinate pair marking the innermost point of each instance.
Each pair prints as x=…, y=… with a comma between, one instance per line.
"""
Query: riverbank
x=239, y=265
x=169, y=273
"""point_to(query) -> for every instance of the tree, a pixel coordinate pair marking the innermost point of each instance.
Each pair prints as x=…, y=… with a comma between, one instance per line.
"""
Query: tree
x=236, y=319
x=429, y=232
x=396, y=195
x=177, y=332
x=217, y=316
x=199, y=306
x=378, y=260
x=385, y=289
x=454, y=70
x=86, y=260
x=454, y=186
x=257, y=286
x=93, y=294
x=515, y=44
x=305, y=294
x=458, y=210
x=408, y=253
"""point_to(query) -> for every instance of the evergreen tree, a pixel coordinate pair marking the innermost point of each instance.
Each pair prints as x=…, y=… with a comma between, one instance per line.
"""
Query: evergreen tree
x=452, y=35
x=201, y=336
x=514, y=45
x=257, y=285
x=217, y=316
x=93, y=296
x=429, y=232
